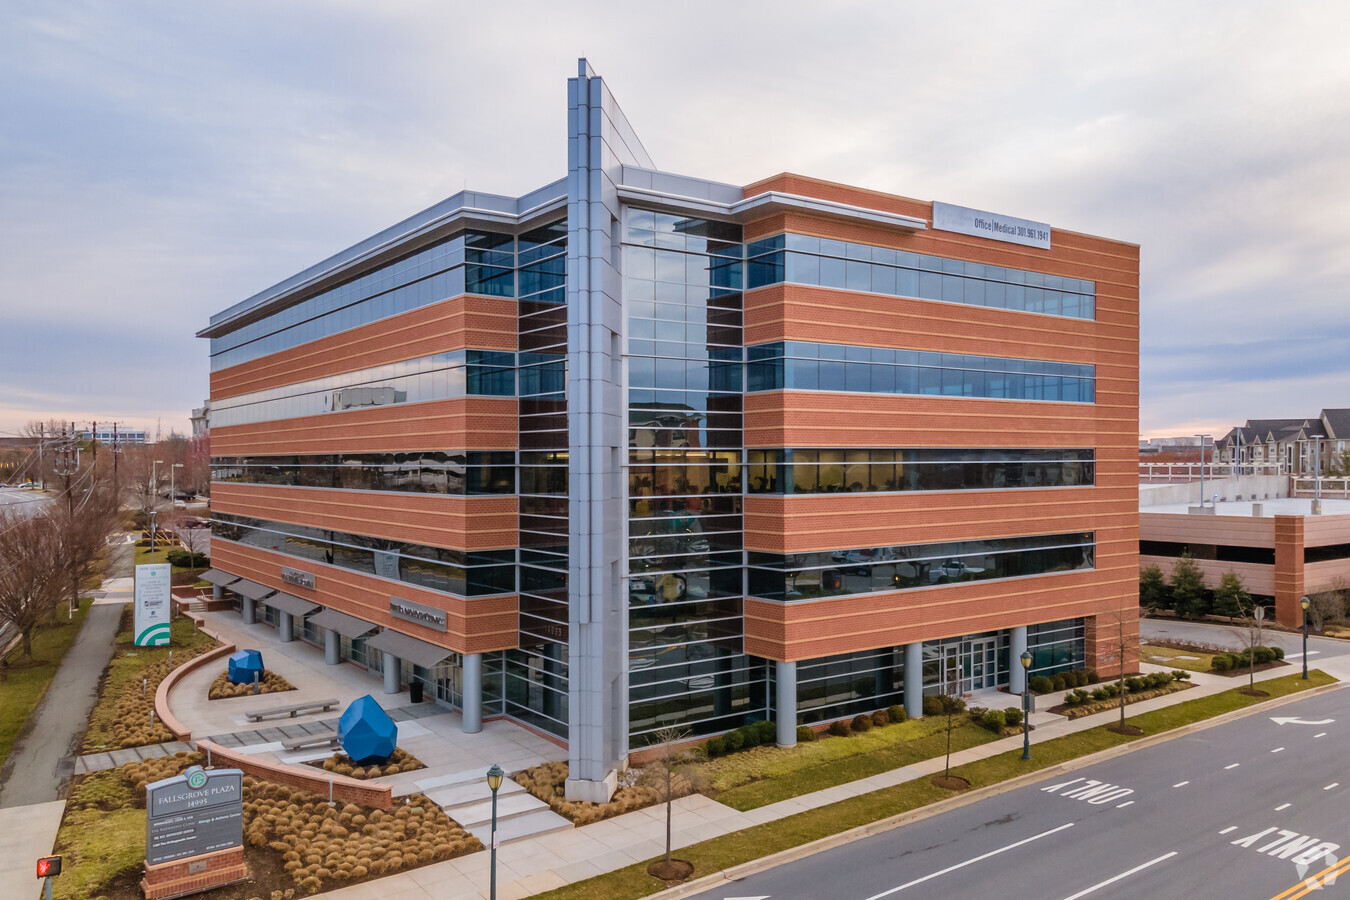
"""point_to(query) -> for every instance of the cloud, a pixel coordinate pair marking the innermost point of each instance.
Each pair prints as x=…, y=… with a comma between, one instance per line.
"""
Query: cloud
x=159, y=163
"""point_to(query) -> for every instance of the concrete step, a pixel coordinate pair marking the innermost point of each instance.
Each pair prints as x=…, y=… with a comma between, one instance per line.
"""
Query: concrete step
x=470, y=793
x=439, y=781
x=530, y=825
x=508, y=807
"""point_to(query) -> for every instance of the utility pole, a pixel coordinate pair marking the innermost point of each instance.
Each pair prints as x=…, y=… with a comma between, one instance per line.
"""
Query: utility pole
x=42, y=471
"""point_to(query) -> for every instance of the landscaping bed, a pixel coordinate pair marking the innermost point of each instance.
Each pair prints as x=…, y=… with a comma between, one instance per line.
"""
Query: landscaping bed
x=295, y=843
x=639, y=789
x=1191, y=659
x=224, y=689
x=341, y=764
x=1092, y=707
x=121, y=715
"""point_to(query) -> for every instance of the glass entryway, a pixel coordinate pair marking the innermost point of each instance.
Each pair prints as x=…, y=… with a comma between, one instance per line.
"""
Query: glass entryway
x=979, y=665
x=962, y=665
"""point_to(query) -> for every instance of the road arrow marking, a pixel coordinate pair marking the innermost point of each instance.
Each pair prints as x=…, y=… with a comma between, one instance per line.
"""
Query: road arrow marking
x=1295, y=720
x=760, y=897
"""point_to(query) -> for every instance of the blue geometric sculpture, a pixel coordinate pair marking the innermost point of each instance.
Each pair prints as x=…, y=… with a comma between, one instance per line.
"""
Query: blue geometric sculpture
x=366, y=732
x=244, y=665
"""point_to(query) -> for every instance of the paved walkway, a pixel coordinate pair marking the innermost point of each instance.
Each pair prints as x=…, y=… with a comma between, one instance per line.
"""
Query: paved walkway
x=540, y=864
x=27, y=834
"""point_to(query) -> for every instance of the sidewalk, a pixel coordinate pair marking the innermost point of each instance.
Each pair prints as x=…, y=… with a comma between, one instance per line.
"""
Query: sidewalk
x=537, y=865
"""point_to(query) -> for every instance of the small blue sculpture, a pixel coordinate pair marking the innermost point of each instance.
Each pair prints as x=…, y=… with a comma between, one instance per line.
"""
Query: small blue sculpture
x=244, y=666
x=366, y=732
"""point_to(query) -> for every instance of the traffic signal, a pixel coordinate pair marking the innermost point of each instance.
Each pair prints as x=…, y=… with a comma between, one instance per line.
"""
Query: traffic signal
x=48, y=866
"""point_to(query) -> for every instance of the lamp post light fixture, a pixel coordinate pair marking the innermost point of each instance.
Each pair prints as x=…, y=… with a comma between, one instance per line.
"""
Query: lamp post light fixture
x=1026, y=704
x=1305, y=603
x=494, y=780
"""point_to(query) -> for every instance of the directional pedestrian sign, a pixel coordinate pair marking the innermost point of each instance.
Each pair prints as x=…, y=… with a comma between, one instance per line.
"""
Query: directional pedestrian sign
x=152, y=605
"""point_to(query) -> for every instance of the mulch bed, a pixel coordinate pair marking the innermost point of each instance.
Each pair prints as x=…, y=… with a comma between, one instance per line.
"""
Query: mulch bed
x=1092, y=707
x=673, y=872
x=1125, y=729
x=224, y=689
x=1253, y=692
x=950, y=782
x=341, y=764
x=1242, y=672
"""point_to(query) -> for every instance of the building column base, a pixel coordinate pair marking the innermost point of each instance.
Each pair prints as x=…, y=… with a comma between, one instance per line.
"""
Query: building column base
x=1017, y=644
x=582, y=790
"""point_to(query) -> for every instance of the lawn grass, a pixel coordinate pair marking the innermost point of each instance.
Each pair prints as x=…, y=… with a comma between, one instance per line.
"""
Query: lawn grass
x=838, y=760
x=20, y=694
x=1167, y=656
x=772, y=837
x=128, y=668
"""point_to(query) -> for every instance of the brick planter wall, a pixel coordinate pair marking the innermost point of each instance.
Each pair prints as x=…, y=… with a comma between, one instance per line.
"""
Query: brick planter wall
x=305, y=778
x=174, y=879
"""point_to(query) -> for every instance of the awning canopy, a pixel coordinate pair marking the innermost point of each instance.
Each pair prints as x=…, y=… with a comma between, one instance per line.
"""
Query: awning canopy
x=289, y=603
x=215, y=576
x=343, y=624
x=251, y=589
x=419, y=653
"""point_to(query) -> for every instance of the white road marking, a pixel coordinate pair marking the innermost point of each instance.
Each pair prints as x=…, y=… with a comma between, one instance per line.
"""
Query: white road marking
x=1288, y=843
x=1181, y=784
x=962, y=865
x=1233, y=766
x=1125, y=804
x=1113, y=879
x=1228, y=829
x=1332, y=785
x=1323, y=734
x=1091, y=790
x=1277, y=750
x=1283, y=806
x=1295, y=720
x=760, y=897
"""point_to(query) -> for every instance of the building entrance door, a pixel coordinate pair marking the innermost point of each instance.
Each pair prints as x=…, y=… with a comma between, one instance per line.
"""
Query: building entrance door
x=448, y=687
x=951, y=669
x=981, y=665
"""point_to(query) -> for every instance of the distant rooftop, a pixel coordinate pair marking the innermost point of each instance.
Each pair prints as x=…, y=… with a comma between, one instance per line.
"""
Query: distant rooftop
x=1280, y=506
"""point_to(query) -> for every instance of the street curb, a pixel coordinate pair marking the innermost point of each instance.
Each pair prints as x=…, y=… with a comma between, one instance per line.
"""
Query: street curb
x=737, y=872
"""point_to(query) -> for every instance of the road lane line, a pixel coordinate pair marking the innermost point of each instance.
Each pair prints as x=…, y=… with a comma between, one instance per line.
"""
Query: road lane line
x=962, y=865
x=1115, y=878
x=1181, y=784
x=1233, y=766
x=1125, y=804
x=1228, y=829
x=1277, y=750
x=1313, y=882
x=1283, y=806
x=1332, y=785
x=1323, y=734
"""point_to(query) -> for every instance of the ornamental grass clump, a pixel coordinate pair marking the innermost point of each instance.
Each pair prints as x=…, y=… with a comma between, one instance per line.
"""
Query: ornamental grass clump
x=223, y=689
x=548, y=783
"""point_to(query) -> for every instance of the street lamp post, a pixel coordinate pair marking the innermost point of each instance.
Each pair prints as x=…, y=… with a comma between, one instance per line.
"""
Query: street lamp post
x=494, y=780
x=173, y=491
x=1026, y=704
x=1305, y=603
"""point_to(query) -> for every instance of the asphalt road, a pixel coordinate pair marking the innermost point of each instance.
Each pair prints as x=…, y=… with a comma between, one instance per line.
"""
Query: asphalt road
x=1242, y=810
x=15, y=500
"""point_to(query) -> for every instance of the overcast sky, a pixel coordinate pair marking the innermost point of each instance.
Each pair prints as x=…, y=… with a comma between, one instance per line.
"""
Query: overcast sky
x=160, y=162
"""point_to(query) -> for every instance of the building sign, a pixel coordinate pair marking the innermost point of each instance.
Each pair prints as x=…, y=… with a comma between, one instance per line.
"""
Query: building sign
x=409, y=611
x=200, y=811
x=995, y=226
x=297, y=578
x=152, y=605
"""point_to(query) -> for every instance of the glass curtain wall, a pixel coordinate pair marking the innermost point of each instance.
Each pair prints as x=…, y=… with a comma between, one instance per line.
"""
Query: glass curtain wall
x=533, y=677
x=682, y=289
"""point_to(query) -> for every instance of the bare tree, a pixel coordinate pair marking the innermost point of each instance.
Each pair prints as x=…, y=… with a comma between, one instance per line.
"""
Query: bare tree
x=31, y=575
x=952, y=704
x=82, y=525
x=1328, y=605
x=195, y=538
x=1120, y=650
x=1252, y=635
x=670, y=761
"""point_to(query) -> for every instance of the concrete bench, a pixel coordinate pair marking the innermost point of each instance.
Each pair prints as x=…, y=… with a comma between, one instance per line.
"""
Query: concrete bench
x=310, y=741
x=291, y=711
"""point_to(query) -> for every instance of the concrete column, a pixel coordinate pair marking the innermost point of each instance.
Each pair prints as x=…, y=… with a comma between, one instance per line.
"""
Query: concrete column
x=217, y=592
x=287, y=627
x=471, y=683
x=248, y=611
x=332, y=647
x=391, y=673
x=914, y=680
x=785, y=682
x=1016, y=674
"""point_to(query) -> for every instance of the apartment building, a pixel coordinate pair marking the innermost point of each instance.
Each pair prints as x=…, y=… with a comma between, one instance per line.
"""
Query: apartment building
x=637, y=450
